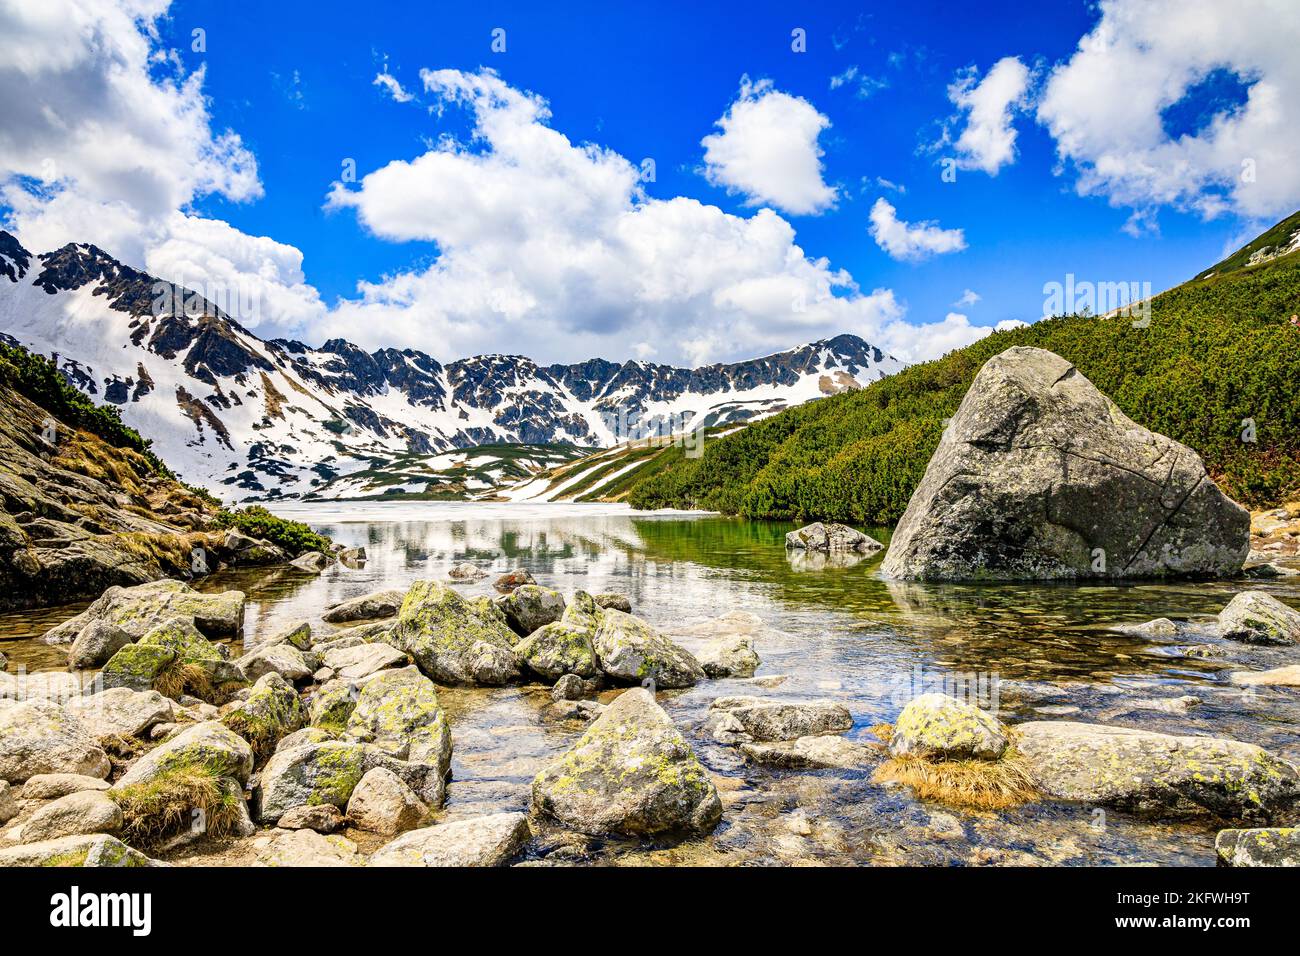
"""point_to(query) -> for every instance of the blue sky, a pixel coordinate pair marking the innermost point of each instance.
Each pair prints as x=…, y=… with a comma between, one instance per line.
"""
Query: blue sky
x=295, y=83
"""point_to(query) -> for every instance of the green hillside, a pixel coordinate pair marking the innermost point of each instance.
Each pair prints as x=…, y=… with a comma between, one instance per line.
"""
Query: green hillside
x=1218, y=351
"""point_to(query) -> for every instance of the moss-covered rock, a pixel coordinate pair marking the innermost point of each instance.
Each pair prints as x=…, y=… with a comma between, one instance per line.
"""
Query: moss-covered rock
x=1259, y=618
x=332, y=705
x=137, y=666
x=271, y=711
x=452, y=640
x=530, y=606
x=180, y=636
x=398, y=711
x=941, y=727
x=1265, y=846
x=556, y=649
x=631, y=773
x=139, y=609
x=94, y=850
x=1158, y=774
x=210, y=747
x=630, y=650
x=742, y=719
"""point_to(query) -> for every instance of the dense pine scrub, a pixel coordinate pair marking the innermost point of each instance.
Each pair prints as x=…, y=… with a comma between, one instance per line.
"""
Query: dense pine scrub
x=37, y=379
x=1218, y=368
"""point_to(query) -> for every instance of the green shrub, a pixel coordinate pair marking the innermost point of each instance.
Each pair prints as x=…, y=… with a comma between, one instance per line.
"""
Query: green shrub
x=1217, y=352
x=292, y=536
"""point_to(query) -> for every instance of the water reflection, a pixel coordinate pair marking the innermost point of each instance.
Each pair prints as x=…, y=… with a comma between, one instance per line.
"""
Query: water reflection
x=835, y=628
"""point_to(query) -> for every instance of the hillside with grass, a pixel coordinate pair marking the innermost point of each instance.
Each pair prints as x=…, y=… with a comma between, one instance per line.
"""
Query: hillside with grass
x=1216, y=368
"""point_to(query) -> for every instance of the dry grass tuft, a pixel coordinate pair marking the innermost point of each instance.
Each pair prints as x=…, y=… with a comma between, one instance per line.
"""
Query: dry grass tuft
x=883, y=732
x=182, y=678
x=975, y=784
x=166, y=806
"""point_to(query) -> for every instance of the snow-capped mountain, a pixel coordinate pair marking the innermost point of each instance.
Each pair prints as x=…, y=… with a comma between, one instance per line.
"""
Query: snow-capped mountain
x=249, y=418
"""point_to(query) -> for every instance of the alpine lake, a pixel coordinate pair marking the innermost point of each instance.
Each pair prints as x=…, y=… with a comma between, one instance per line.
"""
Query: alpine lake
x=837, y=631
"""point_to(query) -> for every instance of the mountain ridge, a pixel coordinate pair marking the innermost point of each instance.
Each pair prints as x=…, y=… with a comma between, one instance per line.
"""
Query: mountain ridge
x=264, y=419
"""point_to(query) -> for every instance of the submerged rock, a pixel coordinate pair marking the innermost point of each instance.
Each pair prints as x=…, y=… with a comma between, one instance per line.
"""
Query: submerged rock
x=631, y=650
x=1258, y=618
x=367, y=607
x=1288, y=676
x=811, y=753
x=741, y=718
x=454, y=641
x=1269, y=846
x=939, y=726
x=479, y=841
x=631, y=773
x=830, y=537
x=1040, y=476
x=1157, y=773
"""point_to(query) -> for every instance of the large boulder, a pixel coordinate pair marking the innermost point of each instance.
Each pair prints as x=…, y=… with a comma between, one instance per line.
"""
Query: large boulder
x=283, y=659
x=479, y=841
x=631, y=650
x=830, y=537
x=1258, y=618
x=90, y=850
x=936, y=726
x=1040, y=476
x=88, y=811
x=120, y=712
x=455, y=641
x=209, y=747
x=1157, y=773
x=362, y=660
x=38, y=737
x=366, y=607
x=139, y=609
x=631, y=773
x=1265, y=846
x=529, y=606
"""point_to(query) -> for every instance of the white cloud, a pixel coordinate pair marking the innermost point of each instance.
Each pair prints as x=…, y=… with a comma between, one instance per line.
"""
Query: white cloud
x=954, y=332
x=551, y=249
x=105, y=140
x=911, y=242
x=862, y=84
x=968, y=297
x=386, y=81
x=767, y=150
x=95, y=116
x=988, y=140
x=1104, y=106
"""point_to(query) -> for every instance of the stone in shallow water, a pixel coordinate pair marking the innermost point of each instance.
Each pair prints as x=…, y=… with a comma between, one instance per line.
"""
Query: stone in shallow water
x=465, y=571
x=513, y=579
x=812, y=753
x=478, y=841
x=1258, y=618
x=139, y=609
x=367, y=607
x=631, y=773
x=1040, y=476
x=1288, y=676
x=830, y=537
x=529, y=606
x=631, y=650
x=1157, y=773
x=1265, y=846
x=453, y=640
x=939, y=726
x=762, y=719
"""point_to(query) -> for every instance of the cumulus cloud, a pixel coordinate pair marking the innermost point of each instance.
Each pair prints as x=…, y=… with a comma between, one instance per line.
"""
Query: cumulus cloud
x=104, y=139
x=911, y=241
x=554, y=248
x=968, y=297
x=954, y=332
x=1105, y=106
x=766, y=150
x=986, y=108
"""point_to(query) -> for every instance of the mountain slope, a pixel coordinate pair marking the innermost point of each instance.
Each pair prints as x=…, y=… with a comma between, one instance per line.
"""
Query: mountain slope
x=1216, y=369
x=264, y=419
